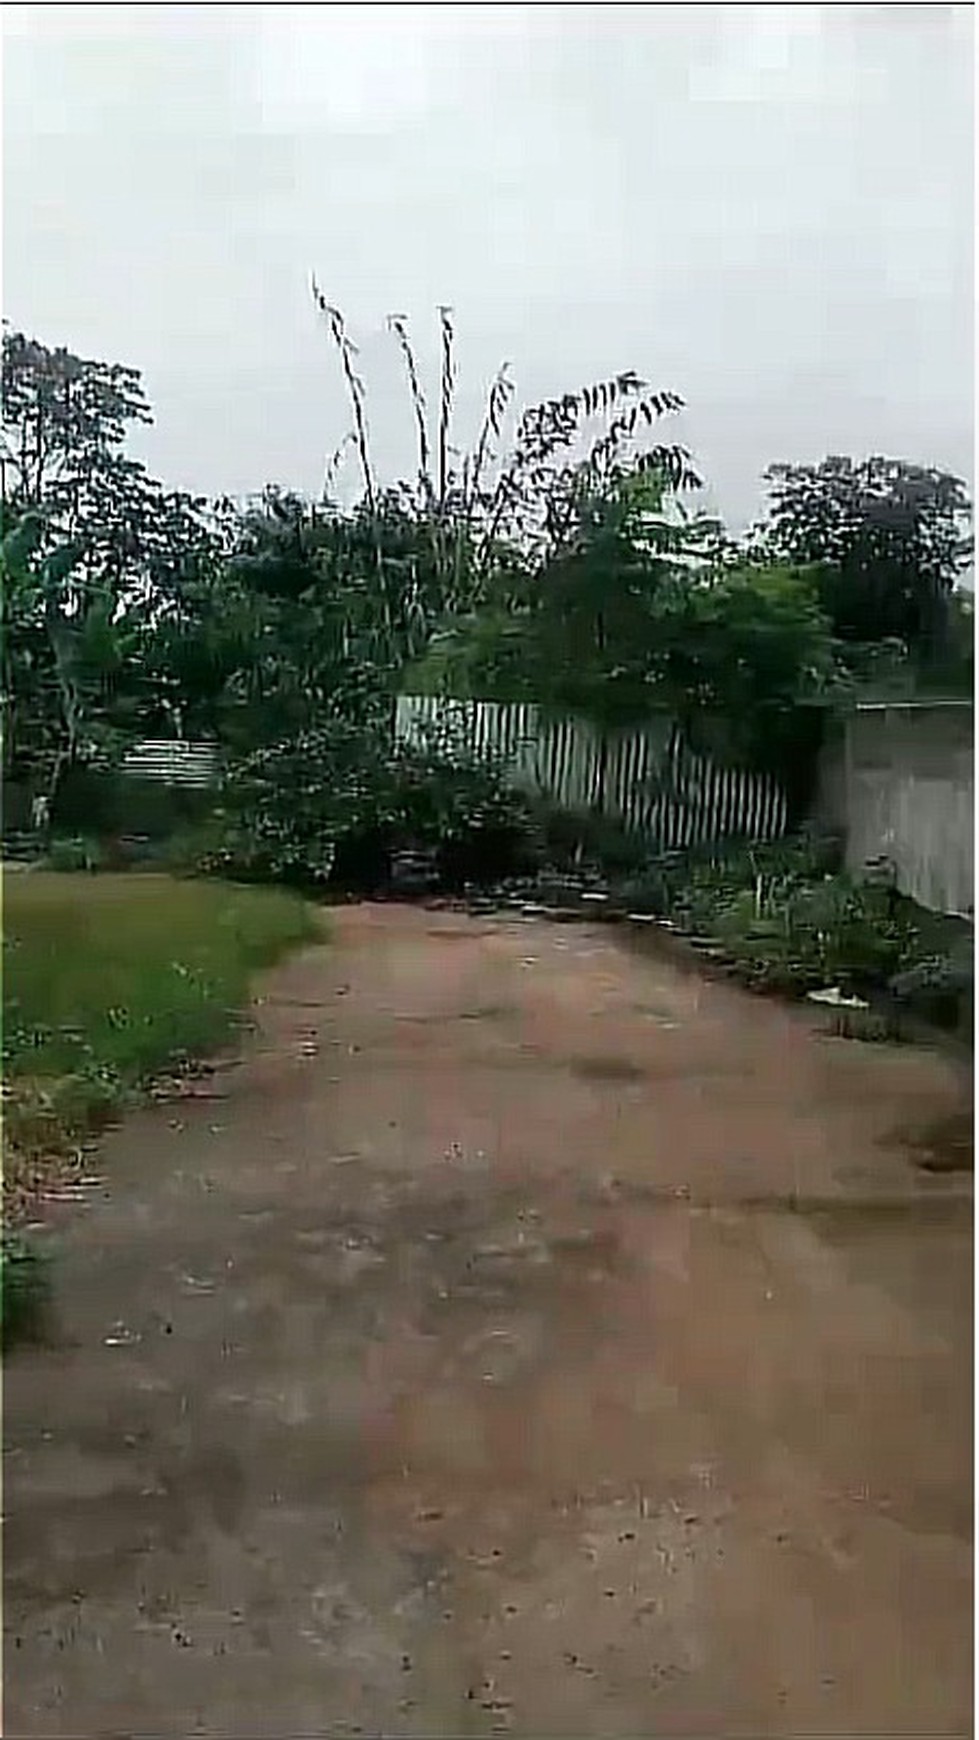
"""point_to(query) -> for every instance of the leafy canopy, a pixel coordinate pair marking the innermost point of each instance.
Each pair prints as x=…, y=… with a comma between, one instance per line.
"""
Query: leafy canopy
x=90, y=546
x=888, y=539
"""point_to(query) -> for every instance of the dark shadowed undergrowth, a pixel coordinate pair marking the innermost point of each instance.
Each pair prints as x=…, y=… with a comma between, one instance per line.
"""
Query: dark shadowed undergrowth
x=24, y=1288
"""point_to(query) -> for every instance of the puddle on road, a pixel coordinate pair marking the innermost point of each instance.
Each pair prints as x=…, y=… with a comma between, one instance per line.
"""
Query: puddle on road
x=846, y=1221
x=948, y=1146
x=469, y=935
x=448, y=1017
x=606, y=1069
x=917, y=1253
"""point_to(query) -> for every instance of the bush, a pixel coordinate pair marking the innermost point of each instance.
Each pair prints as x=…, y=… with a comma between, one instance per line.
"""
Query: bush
x=108, y=802
x=784, y=915
x=940, y=988
x=24, y=1288
x=572, y=838
x=74, y=853
x=694, y=884
x=189, y=845
x=835, y=932
x=332, y=808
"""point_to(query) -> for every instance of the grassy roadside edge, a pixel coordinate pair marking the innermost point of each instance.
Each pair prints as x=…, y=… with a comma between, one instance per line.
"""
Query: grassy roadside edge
x=109, y=985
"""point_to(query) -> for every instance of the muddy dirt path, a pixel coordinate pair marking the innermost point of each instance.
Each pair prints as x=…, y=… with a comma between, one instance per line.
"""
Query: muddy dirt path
x=529, y=1338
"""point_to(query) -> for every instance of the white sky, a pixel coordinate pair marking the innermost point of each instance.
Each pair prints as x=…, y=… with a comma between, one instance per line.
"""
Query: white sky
x=767, y=209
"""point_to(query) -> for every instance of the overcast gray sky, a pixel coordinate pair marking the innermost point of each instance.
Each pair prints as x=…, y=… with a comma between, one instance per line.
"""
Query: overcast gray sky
x=766, y=209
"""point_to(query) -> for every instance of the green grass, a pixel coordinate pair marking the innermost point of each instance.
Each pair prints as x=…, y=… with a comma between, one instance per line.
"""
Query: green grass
x=24, y=1288
x=110, y=979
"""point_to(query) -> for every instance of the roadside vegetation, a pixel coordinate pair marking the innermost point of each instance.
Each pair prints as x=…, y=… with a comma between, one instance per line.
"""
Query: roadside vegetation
x=562, y=558
x=786, y=917
x=782, y=917
x=107, y=982
x=25, y=1287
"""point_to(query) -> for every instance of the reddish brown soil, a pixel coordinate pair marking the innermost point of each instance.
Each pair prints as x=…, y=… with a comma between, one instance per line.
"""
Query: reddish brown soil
x=530, y=1338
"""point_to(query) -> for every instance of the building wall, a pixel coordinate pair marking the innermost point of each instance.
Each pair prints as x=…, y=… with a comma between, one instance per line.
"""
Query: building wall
x=897, y=782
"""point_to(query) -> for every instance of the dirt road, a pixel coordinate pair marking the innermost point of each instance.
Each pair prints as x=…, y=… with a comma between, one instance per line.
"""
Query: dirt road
x=529, y=1338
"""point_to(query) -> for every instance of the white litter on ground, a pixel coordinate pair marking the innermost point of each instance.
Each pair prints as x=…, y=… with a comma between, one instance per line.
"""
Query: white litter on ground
x=835, y=999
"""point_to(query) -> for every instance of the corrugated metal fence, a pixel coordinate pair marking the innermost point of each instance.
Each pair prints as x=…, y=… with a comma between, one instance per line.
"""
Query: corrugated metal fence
x=173, y=762
x=644, y=779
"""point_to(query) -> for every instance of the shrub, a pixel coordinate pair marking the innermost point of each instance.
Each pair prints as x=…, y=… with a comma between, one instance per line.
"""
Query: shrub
x=696, y=883
x=832, y=932
x=572, y=838
x=332, y=808
x=786, y=918
x=74, y=853
x=941, y=987
x=108, y=802
x=24, y=1288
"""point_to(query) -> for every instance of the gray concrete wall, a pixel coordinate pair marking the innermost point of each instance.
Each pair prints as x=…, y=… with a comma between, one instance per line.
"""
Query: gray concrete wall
x=897, y=782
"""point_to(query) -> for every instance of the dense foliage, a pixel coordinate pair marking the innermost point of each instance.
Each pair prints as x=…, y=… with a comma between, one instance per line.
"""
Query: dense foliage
x=887, y=539
x=65, y=423
x=636, y=616
x=335, y=805
x=90, y=546
x=558, y=560
x=786, y=917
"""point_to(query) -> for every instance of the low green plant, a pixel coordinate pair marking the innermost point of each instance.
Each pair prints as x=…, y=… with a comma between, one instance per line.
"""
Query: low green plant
x=573, y=838
x=74, y=852
x=940, y=987
x=787, y=918
x=696, y=884
x=192, y=844
x=25, y=1288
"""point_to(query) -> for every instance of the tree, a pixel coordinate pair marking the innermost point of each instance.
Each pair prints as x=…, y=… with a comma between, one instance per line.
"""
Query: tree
x=63, y=675
x=91, y=546
x=65, y=424
x=32, y=696
x=310, y=608
x=748, y=648
x=515, y=498
x=645, y=611
x=576, y=629
x=887, y=538
x=312, y=604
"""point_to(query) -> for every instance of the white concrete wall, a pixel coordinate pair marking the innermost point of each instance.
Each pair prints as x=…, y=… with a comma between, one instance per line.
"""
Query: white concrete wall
x=898, y=782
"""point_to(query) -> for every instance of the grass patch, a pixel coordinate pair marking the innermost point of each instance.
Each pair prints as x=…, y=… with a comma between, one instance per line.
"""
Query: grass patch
x=24, y=1288
x=109, y=980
